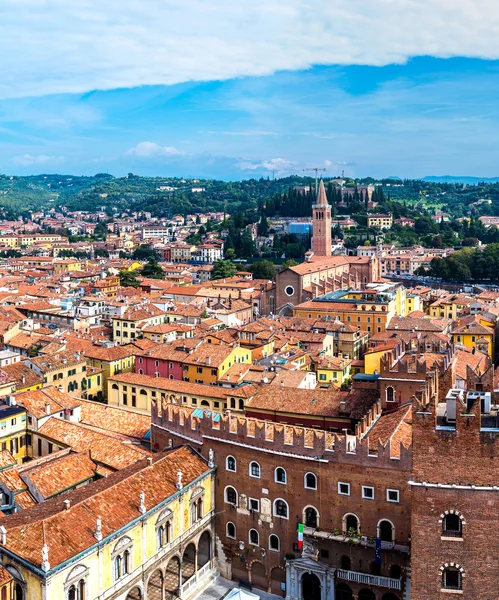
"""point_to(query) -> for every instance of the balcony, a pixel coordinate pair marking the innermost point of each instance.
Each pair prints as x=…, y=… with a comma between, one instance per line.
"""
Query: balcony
x=365, y=579
x=361, y=541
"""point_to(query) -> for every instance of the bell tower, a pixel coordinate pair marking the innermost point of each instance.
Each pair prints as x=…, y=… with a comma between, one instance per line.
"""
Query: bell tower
x=321, y=240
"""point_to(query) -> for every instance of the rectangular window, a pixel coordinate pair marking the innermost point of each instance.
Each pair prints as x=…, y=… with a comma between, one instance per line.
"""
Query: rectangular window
x=134, y=400
x=125, y=399
x=343, y=489
x=199, y=370
x=367, y=492
x=392, y=495
x=254, y=505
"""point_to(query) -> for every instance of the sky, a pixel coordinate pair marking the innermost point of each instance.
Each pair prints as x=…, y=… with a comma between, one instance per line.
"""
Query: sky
x=234, y=89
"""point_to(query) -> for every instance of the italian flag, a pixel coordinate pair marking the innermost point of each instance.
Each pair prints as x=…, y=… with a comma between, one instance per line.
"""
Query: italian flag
x=301, y=527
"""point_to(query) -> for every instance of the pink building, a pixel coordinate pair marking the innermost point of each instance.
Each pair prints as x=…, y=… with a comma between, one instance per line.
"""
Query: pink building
x=165, y=361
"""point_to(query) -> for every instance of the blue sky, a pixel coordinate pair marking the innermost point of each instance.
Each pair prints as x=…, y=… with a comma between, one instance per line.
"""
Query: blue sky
x=234, y=90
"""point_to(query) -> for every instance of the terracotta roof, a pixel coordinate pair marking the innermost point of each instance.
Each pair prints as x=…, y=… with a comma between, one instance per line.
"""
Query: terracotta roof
x=35, y=401
x=115, y=499
x=327, y=403
x=22, y=374
x=105, y=448
x=110, y=418
x=56, y=476
x=109, y=354
x=171, y=385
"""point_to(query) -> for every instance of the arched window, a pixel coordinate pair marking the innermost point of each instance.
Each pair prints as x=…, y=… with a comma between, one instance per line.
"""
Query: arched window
x=390, y=394
x=254, y=538
x=311, y=519
x=230, y=495
x=386, y=531
x=254, y=469
x=310, y=481
x=117, y=567
x=143, y=393
x=452, y=578
x=274, y=543
x=280, y=475
x=345, y=563
x=161, y=536
x=281, y=508
x=230, y=464
x=80, y=590
x=233, y=403
x=230, y=530
x=350, y=524
x=71, y=593
x=452, y=526
x=126, y=562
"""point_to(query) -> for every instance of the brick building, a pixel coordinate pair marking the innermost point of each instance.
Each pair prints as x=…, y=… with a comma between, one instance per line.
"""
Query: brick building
x=347, y=491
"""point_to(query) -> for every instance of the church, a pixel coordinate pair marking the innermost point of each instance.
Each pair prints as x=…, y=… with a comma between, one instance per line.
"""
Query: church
x=321, y=272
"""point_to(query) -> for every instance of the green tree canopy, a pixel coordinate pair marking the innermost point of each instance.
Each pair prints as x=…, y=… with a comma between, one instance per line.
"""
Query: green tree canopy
x=263, y=269
x=152, y=270
x=129, y=279
x=223, y=269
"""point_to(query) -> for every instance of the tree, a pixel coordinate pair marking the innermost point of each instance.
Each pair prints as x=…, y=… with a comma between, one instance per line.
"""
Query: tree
x=289, y=263
x=263, y=269
x=223, y=269
x=144, y=252
x=263, y=226
x=129, y=279
x=152, y=270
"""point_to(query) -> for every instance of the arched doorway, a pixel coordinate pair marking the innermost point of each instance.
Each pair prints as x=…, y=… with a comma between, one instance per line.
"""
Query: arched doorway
x=366, y=595
x=259, y=576
x=172, y=578
x=18, y=592
x=277, y=577
x=155, y=586
x=311, y=517
x=134, y=594
x=310, y=587
x=385, y=531
x=204, y=549
x=343, y=592
x=188, y=562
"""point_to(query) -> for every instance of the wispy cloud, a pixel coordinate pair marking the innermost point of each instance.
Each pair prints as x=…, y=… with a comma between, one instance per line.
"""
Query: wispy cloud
x=58, y=46
x=28, y=160
x=150, y=149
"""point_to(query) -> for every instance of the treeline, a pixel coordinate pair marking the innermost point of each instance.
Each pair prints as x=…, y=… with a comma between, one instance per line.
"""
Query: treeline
x=468, y=265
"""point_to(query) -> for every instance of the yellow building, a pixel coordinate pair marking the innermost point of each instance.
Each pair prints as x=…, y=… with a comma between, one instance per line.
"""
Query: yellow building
x=451, y=307
x=66, y=265
x=92, y=544
x=65, y=369
x=471, y=333
x=413, y=302
x=109, y=362
x=209, y=362
x=331, y=369
x=13, y=430
x=370, y=310
x=94, y=384
x=136, y=392
x=129, y=326
x=380, y=221
x=372, y=358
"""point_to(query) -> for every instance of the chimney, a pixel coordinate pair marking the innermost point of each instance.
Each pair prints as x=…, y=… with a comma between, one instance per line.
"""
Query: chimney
x=47, y=408
x=3, y=535
x=149, y=461
x=67, y=504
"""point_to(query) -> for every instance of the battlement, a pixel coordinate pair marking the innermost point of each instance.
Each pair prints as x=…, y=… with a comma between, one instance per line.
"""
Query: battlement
x=204, y=427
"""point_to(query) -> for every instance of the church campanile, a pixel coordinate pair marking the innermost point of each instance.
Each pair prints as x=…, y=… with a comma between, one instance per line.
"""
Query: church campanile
x=321, y=240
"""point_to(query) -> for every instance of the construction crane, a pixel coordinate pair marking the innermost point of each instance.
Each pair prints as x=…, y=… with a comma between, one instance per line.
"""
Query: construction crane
x=316, y=169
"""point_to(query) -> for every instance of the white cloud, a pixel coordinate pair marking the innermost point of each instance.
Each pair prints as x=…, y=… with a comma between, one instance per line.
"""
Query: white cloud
x=280, y=165
x=27, y=160
x=58, y=46
x=150, y=150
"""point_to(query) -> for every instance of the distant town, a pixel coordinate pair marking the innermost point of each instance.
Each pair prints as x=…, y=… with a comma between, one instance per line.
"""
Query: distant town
x=299, y=397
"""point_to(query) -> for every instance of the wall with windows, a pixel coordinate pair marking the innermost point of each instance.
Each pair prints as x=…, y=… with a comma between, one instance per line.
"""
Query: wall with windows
x=137, y=552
